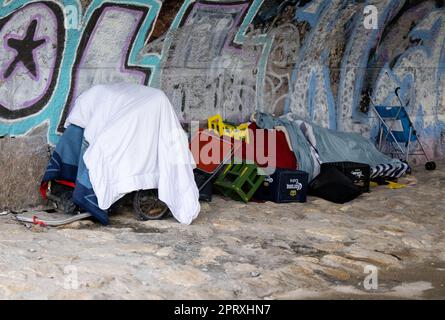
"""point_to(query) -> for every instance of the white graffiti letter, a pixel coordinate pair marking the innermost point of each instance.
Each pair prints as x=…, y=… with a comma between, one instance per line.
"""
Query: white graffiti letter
x=72, y=18
x=371, y=280
x=71, y=278
x=371, y=20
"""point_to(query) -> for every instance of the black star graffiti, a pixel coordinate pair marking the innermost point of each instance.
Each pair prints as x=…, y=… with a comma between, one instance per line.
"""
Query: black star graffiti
x=25, y=48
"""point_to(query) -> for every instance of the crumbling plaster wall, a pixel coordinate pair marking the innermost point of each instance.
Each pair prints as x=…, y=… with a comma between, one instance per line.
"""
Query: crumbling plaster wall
x=314, y=58
x=23, y=161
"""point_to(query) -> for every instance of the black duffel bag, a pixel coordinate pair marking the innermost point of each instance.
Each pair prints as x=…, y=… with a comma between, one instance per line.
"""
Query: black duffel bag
x=333, y=185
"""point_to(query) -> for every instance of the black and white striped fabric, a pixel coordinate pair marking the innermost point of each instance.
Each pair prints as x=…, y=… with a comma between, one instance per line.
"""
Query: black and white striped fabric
x=389, y=170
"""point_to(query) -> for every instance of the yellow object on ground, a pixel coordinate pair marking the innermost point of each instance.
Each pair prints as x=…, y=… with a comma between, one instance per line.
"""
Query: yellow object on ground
x=391, y=185
x=240, y=132
x=395, y=185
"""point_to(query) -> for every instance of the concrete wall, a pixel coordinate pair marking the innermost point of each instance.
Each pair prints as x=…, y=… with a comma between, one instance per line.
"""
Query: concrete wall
x=229, y=57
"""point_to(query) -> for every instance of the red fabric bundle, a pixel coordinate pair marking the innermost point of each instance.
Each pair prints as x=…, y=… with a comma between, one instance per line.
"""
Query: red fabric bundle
x=266, y=148
x=261, y=150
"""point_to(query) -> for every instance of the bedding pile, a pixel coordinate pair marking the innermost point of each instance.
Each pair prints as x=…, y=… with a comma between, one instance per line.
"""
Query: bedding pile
x=120, y=138
x=314, y=145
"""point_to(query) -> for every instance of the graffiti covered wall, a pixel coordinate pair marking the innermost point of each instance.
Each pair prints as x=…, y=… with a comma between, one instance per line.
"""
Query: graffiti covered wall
x=315, y=58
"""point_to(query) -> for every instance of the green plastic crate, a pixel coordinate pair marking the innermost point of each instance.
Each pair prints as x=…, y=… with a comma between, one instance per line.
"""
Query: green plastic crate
x=239, y=181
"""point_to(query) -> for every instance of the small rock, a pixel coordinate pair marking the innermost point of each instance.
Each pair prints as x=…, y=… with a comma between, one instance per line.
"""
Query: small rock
x=414, y=243
x=205, y=207
x=37, y=228
x=362, y=254
x=164, y=252
x=337, y=274
x=254, y=274
x=32, y=250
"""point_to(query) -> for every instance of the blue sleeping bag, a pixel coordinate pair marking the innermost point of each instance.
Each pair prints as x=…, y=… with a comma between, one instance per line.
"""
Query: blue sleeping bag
x=67, y=164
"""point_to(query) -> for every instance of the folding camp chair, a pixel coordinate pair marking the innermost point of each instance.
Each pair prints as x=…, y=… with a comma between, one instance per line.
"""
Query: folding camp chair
x=398, y=133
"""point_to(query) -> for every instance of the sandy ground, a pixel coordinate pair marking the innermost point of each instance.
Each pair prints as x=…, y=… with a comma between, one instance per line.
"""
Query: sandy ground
x=315, y=250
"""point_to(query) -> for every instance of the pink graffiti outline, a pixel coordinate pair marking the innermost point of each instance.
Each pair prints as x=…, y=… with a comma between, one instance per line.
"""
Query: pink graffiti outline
x=8, y=36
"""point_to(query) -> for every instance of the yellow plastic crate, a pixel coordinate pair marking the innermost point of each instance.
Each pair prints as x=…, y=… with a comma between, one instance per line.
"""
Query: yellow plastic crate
x=240, y=132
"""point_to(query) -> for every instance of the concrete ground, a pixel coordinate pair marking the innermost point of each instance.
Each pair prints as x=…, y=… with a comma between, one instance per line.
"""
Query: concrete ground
x=315, y=250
